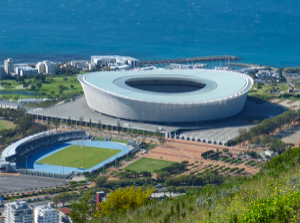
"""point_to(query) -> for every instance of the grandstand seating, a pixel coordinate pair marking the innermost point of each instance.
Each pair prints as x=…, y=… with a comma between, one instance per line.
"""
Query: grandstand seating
x=42, y=142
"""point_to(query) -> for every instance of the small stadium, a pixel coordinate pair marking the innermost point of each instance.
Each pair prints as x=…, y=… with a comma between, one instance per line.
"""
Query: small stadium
x=61, y=153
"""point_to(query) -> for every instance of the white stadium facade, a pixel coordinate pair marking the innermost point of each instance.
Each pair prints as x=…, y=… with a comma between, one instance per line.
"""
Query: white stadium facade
x=167, y=96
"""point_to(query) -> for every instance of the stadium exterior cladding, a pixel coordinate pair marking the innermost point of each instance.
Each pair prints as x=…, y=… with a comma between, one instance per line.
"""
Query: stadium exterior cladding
x=223, y=95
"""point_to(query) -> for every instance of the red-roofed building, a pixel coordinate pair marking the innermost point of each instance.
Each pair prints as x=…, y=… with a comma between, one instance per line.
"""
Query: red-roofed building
x=64, y=215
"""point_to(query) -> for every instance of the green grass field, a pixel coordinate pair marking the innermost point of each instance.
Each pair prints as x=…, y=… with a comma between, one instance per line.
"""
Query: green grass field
x=149, y=165
x=51, y=84
x=75, y=156
x=6, y=124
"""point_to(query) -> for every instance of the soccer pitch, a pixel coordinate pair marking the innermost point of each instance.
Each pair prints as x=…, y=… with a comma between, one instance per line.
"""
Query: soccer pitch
x=147, y=164
x=79, y=157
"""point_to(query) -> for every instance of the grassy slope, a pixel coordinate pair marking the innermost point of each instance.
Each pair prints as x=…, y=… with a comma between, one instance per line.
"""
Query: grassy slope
x=75, y=156
x=6, y=124
x=273, y=195
x=146, y=164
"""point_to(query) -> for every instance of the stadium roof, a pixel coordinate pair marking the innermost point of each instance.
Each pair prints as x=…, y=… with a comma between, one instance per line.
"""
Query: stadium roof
x=11, y=149
x=219, y=85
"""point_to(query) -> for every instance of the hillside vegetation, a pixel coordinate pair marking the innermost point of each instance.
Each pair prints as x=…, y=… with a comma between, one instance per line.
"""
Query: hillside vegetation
x=272, y=195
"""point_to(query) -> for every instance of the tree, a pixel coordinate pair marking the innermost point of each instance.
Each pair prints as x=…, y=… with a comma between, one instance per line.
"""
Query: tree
x=69, y=121
x=32, y=87
x=126, y=199
x=55, y=200
x=162, y=176
x=38, y=85
x=66, y=197
x=109, y=127
x=82, y=211
x=118, y=127
x=56, y=122
x=81, y=121
x=100, y=181
x=99, y=125
x=72, y=86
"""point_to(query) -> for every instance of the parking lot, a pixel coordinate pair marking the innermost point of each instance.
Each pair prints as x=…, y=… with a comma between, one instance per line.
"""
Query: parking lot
x=20, y=183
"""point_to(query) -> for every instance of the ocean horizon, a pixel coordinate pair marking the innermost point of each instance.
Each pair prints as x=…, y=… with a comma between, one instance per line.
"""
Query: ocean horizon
x=261, y=32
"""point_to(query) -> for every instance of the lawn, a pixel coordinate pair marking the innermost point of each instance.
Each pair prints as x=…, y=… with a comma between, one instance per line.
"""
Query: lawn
x=6, y=124
x=119, y=140
x=50, y=88
x=149, y=165
x=79, y=157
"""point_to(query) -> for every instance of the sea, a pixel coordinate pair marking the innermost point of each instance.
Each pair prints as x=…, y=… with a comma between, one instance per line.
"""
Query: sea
x=258, y=31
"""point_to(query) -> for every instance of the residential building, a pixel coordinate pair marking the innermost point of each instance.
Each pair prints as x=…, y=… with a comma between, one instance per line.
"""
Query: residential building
x=18, y=212
x=9, y=66
x=64, y=214
x=26, y=70
x=40, y=66
x=46, y=214
x=2, y=73
x=83, y=65
x=50, y=67
x=270, y=153
x=108, y=61
x=46, y=67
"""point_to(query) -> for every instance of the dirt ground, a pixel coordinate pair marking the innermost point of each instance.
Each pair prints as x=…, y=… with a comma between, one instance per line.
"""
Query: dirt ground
x=178, y=151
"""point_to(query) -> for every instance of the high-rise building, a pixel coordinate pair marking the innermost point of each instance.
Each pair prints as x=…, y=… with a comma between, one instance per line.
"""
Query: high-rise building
x=46, y=67
x=46, y=214
x=2, y=73
x=9, y=66
x=18, y=212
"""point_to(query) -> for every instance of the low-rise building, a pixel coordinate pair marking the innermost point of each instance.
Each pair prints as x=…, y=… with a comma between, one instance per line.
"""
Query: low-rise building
x=26, y=70
x=7, y=167
x=32, y=100
x=270, y=153
x=46, y=214
x=64, y=214
x=83, y=65
x=8, y=104
x=18, y=212
x=267, y=74
x=114, y=60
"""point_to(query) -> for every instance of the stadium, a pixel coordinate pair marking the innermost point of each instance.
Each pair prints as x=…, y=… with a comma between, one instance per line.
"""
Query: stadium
x=59, y=154
x=166, y=96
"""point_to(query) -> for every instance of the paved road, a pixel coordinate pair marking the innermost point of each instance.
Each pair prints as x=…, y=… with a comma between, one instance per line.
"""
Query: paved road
x=20, y=183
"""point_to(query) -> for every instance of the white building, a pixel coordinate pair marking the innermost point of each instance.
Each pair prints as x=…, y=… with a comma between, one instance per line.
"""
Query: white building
x=83, y=65
x=46, y=67
x=9, y=66
x=267, y=74
x=40, y=66
x=26, y=70
x=6, y=167
x=108, y=61
x=18, y=212
x=32, y=100
x=46, y=214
